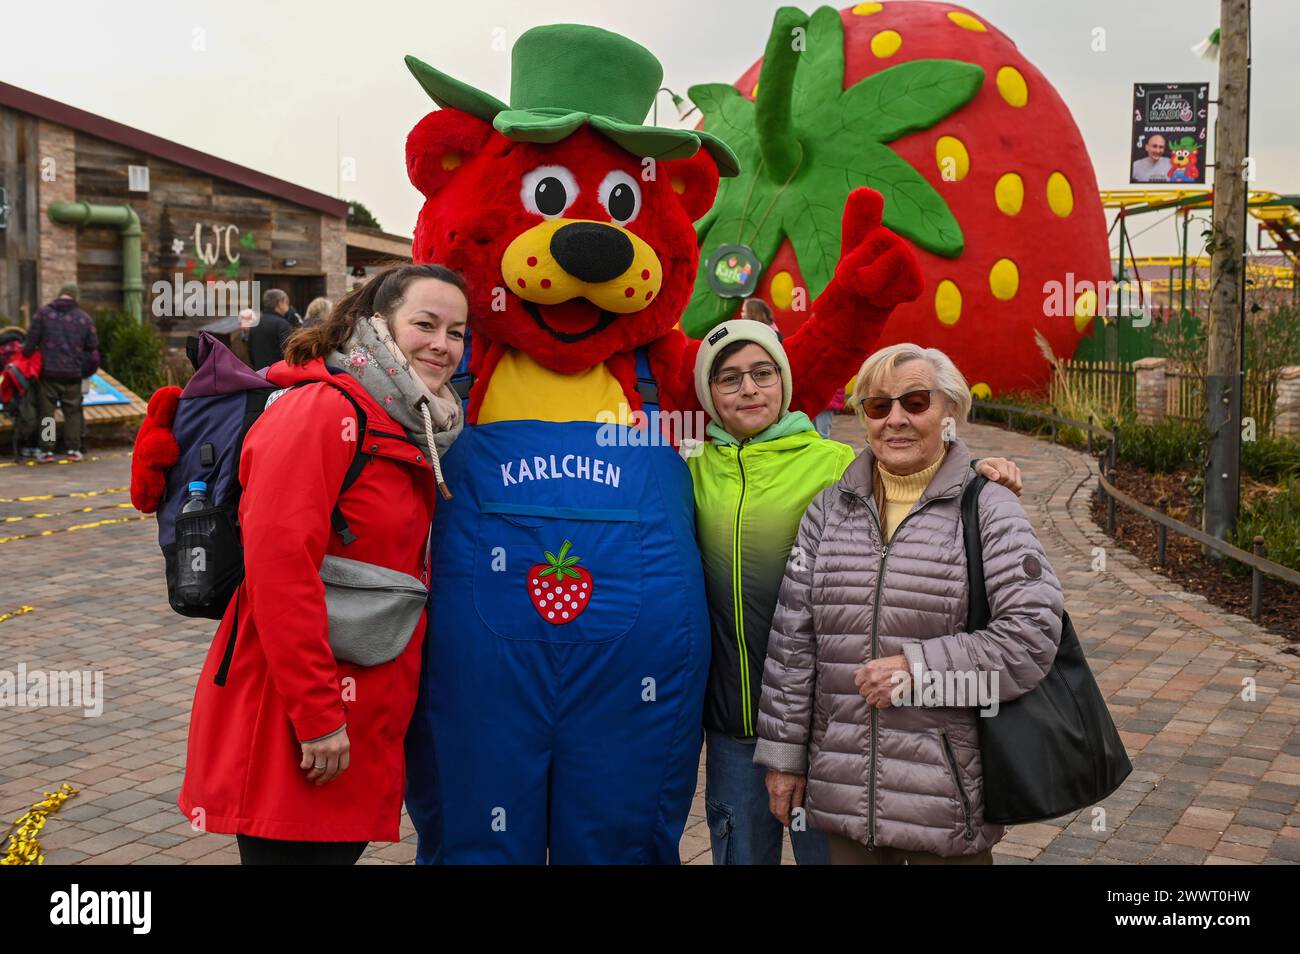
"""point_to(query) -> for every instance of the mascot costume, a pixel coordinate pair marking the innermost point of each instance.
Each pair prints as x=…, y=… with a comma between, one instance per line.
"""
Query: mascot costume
x=561, y=711
x=561, y=703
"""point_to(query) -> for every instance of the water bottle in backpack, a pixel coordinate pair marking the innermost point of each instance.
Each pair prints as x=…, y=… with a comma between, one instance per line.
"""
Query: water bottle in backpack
x=196, y=538
x=198, y=516
x=196, y=496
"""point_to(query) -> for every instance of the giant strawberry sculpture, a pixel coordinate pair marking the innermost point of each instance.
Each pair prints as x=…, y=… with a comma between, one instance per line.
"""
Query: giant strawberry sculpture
x=979, y=161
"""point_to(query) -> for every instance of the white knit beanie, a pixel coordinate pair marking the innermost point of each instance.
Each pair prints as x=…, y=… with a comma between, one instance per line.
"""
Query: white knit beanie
x=738, y=329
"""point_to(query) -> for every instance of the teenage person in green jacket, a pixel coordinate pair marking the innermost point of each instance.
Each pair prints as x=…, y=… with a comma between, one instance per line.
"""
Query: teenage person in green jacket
x=753, y=481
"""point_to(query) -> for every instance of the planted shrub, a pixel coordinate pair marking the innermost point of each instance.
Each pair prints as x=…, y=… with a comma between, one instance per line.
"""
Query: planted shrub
x=1163, y=447
x=1271, y=459
x=107, y=325
x=130, y=351
x=1276, y=518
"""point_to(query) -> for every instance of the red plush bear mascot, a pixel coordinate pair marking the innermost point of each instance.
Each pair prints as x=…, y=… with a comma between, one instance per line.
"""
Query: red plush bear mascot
x=561, y=708
x=561, y=700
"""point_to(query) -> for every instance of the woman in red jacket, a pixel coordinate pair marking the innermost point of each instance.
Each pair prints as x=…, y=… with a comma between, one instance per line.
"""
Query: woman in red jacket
x=298, y=754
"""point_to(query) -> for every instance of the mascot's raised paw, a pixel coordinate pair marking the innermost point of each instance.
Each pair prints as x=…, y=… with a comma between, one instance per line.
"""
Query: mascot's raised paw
x=876, y=265
x=155, y=452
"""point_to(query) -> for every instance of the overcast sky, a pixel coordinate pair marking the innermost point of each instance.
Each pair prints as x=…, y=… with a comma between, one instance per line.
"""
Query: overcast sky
x=288, y=87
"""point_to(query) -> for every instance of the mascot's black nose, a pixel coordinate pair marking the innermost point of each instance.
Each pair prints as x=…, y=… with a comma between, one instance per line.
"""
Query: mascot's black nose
x=591, y=251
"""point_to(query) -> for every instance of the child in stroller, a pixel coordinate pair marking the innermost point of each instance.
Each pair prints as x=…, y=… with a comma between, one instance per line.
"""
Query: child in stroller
x=18, y=383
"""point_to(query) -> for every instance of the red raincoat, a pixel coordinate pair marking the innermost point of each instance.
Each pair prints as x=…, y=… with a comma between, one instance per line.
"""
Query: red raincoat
x=283, y=684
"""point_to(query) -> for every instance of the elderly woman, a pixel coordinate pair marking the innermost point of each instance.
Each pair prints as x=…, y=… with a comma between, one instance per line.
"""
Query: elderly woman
x=875, y=599
x=753, y=481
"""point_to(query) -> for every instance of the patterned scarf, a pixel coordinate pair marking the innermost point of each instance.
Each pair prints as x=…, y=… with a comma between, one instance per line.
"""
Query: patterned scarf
x=430, y=420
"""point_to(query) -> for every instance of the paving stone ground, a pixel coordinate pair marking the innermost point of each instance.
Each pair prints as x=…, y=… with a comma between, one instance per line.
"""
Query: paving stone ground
x=1207, y=703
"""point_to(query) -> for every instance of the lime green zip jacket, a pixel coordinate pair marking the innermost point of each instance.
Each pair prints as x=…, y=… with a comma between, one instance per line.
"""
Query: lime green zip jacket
x=749, y=500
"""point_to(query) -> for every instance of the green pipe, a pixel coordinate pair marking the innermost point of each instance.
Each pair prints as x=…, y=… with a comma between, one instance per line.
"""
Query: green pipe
x=772, y=106
x=122, y=217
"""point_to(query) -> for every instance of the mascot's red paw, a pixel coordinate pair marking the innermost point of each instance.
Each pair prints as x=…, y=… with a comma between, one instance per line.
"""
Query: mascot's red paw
x=156, y=451
x=876, y=265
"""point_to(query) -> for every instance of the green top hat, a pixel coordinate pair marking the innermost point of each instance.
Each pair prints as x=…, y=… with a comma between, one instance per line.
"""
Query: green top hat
x=564, y=75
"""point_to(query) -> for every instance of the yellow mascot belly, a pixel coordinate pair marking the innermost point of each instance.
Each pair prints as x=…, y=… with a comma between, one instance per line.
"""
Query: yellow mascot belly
x=522, y=389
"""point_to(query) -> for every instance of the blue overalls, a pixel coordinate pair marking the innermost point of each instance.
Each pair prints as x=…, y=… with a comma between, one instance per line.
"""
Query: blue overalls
x=560, y=712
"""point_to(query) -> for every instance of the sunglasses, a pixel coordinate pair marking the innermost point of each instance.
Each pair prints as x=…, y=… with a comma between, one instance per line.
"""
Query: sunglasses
x=913, y=402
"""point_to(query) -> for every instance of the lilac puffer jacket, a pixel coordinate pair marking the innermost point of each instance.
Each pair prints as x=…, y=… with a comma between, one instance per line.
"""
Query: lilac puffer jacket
x=909, y=776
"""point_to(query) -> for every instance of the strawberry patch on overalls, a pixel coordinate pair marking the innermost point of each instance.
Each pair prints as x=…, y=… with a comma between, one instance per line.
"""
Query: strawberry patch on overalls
x=560, y=588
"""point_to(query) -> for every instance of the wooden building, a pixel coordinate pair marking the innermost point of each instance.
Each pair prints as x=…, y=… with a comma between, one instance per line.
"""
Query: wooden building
x=203, y=222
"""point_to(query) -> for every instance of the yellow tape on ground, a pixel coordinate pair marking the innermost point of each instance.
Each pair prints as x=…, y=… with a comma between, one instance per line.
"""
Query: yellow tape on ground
x=67, y=513
x=64, y=460
x=32, y=498
x=80, y=526
x=24, y=847
x=18, y=612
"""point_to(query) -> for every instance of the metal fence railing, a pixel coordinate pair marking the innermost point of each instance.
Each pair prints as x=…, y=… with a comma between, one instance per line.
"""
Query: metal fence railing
x=1259, y=565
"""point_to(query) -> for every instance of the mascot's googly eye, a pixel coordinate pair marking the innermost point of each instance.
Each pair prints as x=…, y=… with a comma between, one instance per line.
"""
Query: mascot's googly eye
x=549, y=191
x=621, y=196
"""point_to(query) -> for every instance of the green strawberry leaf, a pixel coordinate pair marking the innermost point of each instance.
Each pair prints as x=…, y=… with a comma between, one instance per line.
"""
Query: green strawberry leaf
x=774, y=95
x=707, y=308
x=911, y=96
x=730, y=226
x=913, y=208
x=727, y=114
x=812, y=213
x=812, y=219
x=703, y=223
x=820, y=77
x=730, y=117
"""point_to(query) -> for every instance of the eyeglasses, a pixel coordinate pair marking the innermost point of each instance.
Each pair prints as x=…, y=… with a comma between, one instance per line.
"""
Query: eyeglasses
x=913, y=402
x=765, y=376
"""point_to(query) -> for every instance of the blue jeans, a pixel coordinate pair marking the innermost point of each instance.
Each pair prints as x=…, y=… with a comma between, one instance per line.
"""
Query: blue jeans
x=741, y=828
x=822, y=422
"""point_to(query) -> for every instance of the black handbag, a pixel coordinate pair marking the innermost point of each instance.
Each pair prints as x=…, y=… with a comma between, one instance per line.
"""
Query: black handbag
x=1055, y=749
